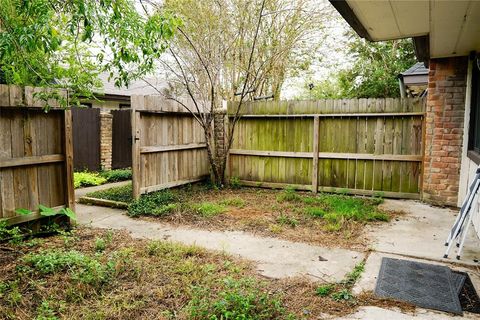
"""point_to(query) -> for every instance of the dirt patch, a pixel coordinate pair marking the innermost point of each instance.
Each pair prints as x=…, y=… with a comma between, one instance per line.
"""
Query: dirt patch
x=259, y=211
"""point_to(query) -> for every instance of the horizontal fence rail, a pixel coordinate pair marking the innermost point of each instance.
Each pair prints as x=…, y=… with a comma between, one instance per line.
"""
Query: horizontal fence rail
x=362, y=146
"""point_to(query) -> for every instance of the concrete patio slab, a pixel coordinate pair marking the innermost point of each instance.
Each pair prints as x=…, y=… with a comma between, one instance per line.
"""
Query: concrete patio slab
x=275, y=258
x=421, y=233
x=375, y=313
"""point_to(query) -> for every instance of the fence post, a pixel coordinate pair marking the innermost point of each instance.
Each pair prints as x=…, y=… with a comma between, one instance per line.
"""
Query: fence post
x=136, y=170
x=70, y=201
x=316, y=126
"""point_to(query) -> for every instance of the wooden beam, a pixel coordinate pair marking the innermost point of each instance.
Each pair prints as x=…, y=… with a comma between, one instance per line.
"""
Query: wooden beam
x=68, y=145
x=316, y=127
x=136, y=168
x=170, y=185
x=152, y=149
x=334, y=115
x=328, y=155
x=25, y=161
x=275, y=185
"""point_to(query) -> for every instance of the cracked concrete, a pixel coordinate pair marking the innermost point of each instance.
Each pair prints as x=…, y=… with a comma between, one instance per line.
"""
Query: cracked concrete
x=275, y=258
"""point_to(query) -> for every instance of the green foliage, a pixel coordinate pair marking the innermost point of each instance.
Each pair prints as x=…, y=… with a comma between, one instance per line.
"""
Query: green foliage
x=354, y=275
x=100, y=244
x=165, y=209
x=325, y=290
x=121, y=194
x=47, y=43
x=241, y=299
x=148, y=203
x=338, y=209
x=82, y=268
x=343, y=294
x=8, y=233
x=48, y=212
x=87, y=179
x=288, y=194
x=373, y=73
x=235, y=183
x=233, y=202
x=287, y=220
x=117, y=175
x=208, y=209
x=45, y=311
x=315, y=211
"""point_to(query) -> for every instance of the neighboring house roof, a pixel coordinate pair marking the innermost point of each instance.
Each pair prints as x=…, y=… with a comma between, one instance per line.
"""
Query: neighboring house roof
x=439, y=28
x=415, y=75
x=135, y=87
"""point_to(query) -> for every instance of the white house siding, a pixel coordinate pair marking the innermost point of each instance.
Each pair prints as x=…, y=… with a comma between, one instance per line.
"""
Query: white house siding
x=468, y=167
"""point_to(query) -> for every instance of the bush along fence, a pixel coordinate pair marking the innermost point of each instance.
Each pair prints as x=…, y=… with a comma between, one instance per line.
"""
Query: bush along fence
x=360, y=146
x=36, y=154
x=169, y=146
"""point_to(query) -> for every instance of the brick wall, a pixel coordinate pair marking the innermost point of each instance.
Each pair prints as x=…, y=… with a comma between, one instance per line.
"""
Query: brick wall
x=106, y=140
x=444, y=130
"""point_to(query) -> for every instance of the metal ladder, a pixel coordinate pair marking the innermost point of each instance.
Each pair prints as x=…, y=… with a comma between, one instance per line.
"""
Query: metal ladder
x=459, y=230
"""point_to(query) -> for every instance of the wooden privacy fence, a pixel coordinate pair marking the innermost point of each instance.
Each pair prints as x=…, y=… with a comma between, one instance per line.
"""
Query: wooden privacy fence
x=169, y=146
x=362, y=146
x=86, y=138
x=36, y=155
x=121, y=139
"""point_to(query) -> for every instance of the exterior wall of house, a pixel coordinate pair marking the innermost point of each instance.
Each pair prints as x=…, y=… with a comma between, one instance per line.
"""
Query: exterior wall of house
x=106, y=119
x=468, y=167
x=444, y=129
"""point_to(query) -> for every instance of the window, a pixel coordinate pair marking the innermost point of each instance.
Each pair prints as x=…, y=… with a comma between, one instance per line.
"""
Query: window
x=474, y=134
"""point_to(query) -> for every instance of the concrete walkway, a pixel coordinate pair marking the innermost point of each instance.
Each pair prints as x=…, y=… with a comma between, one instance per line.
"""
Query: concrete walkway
x=275, y=258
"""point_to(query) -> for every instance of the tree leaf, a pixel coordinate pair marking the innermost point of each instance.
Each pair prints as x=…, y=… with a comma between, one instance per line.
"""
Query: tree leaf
x=46, y=211
x=69, y=213
x=23, y=212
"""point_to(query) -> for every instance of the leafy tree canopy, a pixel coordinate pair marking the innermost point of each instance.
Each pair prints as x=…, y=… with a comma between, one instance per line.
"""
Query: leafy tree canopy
x=372, y=74
x=67, y=43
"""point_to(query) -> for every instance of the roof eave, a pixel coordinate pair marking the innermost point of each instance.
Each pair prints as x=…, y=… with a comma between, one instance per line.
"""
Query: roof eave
x=347, y=13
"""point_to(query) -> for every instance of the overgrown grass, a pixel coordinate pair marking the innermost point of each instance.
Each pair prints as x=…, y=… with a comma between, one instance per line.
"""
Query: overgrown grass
x=122, y=194
x=106, y=275
x=155, y=203
x=87, y=179
x=209, y=209
x=117, y=175
x=233, y=202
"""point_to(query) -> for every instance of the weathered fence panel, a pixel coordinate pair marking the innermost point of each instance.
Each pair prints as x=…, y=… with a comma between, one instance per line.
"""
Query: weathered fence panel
x=362, y=146
x=86, y=138
x=121, y=139
x=169, y=147
x=36, y=157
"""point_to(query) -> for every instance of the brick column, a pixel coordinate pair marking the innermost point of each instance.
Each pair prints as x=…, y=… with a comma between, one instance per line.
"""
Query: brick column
x=444, y=129
x=106, y=140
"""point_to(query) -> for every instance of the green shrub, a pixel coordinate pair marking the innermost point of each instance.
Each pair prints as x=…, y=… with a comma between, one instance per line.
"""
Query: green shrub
x=233, y=202
x=148, y=203
x=288, y=194
x=314, y=211
x=81, y=267
x=235, y=183
x=208, y=209
x=121, y=194
x=87, y=179
x=240, y=299
x=117, y=175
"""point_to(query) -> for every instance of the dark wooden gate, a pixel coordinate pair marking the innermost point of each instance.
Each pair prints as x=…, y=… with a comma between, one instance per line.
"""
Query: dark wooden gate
x=86, y=139
x=121, y=139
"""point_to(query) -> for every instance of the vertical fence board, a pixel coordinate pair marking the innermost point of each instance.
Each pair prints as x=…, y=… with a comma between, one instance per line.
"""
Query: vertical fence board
x=364, y=145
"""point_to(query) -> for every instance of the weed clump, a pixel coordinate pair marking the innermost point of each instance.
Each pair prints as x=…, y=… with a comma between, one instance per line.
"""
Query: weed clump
x=233, y=202
x=209, y=209
x=289, y=194
x=151, y=203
